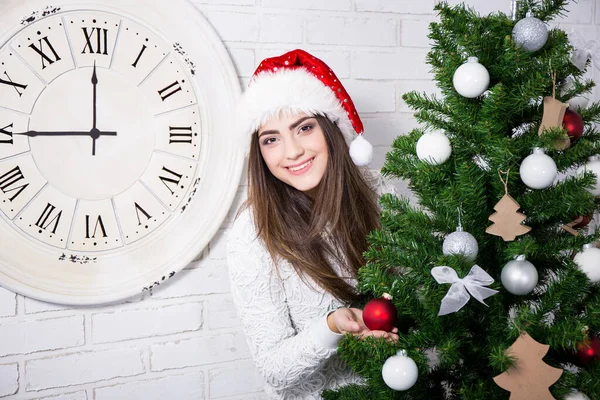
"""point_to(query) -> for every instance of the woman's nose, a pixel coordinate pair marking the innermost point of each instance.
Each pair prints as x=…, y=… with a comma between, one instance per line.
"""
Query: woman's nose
x=293, y=149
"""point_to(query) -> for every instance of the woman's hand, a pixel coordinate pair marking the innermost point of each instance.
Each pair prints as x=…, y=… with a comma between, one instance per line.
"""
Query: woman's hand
x=350, y=320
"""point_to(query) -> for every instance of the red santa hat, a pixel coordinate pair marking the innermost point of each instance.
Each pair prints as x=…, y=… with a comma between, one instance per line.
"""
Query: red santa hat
x=299, y=82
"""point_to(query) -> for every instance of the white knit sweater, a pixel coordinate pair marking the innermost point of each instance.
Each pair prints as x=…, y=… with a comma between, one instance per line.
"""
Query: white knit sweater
x=284, y=316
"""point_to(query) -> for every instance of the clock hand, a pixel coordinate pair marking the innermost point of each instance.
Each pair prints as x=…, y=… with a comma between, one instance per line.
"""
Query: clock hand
x=64, y=133
x=94, y=131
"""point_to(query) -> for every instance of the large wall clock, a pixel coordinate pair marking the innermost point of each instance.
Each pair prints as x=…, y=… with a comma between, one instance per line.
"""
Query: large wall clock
x=116, y=161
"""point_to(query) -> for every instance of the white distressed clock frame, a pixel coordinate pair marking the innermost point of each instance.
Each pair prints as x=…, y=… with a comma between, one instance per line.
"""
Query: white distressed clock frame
x=117, y=161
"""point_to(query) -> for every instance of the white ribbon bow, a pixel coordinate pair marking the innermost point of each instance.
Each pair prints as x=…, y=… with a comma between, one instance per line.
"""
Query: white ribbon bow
x=584, y=50
x=458, y=294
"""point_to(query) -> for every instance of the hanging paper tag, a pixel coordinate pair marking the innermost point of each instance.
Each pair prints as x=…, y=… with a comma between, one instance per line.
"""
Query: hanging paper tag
x=554, y=113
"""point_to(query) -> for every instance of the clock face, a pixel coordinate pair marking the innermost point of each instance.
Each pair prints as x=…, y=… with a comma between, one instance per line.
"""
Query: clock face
x=108, y=137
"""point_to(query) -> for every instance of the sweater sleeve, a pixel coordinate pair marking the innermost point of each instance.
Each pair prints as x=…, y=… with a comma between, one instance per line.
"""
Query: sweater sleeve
x=284, y=356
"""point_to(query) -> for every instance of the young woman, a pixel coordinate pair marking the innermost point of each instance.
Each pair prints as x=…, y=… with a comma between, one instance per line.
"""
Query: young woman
x=297, y=243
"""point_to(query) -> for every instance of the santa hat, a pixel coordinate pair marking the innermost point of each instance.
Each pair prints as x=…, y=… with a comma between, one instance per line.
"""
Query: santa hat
x=299, y=82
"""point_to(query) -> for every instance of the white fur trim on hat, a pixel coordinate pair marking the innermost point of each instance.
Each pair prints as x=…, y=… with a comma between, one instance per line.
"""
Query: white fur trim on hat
x=289, y=91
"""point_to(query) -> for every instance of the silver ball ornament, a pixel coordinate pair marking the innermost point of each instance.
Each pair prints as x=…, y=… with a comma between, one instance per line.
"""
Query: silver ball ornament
x=461, y=242
x=519, y=276
x=588, y=261
x=530, y=33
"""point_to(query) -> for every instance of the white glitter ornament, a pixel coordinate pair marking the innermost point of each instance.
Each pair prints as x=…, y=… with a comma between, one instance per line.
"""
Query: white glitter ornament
x=530, y=33
x=400, y=372
x=593, y=165
x=434, y=148
x=538, y=170
x=471, y=79
x=519, y=276
x=461, y=242
x=588, y=261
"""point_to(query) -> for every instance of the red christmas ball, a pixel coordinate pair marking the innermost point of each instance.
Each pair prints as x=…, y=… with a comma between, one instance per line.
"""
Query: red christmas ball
x=588, y=351
x=380, y=314
x=585, y=220
x=573, y=123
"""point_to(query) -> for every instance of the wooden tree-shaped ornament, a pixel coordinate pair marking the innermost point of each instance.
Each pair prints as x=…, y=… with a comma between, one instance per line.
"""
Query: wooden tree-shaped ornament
x=554, y=113
x=530, y=377
x=507, y=222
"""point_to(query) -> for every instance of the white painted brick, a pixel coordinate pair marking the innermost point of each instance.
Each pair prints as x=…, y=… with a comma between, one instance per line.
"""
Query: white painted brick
x=581, y=12
x=8, y=303
x=337, y=5
x=217, y=248
x=424, y=86
x=189, y=386
x=9, y=379
x=146, y=322
x=485, y=7
x=222, y=313
x=240, y=197
x=372, y=96
x=338, y=61
x=396, y=6
x=379, y=153
x=244, y=373
x=383, y=131
x=199, y=351
x=209, y=279
x=280, y=29
x=33, y=306
x=243, y=60
x=237, y=27
x=402, y=64
x=226, y=2
x=413, y=33
x=83, y=367
x=352, y=31
x=48, y=334
x=81, y=395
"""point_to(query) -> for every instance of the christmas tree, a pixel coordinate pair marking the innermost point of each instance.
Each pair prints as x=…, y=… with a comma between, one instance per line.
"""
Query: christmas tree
x=453, y=324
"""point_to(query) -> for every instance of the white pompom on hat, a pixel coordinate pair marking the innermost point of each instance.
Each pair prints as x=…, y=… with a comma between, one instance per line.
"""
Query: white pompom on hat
x=298, y=82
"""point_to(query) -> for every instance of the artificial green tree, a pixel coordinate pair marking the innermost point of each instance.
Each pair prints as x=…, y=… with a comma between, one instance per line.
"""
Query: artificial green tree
x=490, y=134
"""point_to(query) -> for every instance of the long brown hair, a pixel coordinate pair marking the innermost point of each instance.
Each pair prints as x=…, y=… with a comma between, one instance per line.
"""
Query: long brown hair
x=313, y=233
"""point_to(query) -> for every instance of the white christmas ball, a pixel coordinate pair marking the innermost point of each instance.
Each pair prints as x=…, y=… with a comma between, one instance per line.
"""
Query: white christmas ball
x=434, y=148
x=538, y=170
x=400, y=372
x=588, y=261
x=593, y=165
x=471, y=79
x=519, y=276
x=576, y=396
x=461, y=242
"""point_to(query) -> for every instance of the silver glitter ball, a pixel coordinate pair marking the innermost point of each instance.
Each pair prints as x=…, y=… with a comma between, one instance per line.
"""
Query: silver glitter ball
x=530, y=33
x=462, y=243
x=519, y=276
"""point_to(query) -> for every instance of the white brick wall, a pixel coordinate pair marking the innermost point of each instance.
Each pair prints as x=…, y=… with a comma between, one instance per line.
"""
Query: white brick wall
x=184, y=340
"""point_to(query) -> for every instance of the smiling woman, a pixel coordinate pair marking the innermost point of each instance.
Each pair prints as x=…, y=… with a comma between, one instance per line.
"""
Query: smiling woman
x=297, y=243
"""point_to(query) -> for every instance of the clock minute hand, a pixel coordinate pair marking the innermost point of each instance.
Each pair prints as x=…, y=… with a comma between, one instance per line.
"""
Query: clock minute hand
x=64, y=133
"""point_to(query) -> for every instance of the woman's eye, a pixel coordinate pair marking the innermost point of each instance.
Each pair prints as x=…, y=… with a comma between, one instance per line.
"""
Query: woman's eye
x=305, y=128
x=269, y=140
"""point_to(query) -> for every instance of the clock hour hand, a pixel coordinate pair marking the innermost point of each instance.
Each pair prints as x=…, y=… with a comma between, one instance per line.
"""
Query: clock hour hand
x=65, y=133
x=94, y=83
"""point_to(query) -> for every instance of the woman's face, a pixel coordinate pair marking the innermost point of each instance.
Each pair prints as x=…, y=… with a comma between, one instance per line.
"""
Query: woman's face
x=295, y=150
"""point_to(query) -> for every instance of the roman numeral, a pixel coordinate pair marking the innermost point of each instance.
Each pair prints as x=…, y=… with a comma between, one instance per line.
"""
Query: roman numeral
x=43, y=222
x=11, y=178
x=139, y=56
x=98, y=223
x=8, y=133
x=169, y=90
x=180, y=134
x=137, y=211
x=16, y=86
x=169, y=180
x=101, y=41
x=40, y=51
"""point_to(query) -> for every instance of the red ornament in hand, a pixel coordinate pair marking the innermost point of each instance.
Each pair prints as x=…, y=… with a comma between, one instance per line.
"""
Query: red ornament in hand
x=380, y=314
x=588, y=351
x=573, y=123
